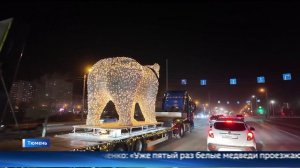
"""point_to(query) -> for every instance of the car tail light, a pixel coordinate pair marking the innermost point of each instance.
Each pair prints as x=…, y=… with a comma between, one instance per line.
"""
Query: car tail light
x=228, y=121
x=250, y=136
x=210, y=133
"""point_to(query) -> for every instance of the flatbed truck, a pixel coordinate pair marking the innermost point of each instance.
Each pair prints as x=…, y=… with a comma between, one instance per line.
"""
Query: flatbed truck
x=111, y=137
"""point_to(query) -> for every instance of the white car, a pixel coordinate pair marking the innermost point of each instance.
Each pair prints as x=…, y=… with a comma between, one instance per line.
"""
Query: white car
x=231, y=134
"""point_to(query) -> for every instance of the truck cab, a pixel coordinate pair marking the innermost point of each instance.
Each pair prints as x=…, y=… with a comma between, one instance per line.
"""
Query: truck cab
x=177, y=111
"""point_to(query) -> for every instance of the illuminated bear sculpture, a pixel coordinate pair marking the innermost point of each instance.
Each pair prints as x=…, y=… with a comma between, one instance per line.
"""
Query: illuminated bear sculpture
x=125, y=82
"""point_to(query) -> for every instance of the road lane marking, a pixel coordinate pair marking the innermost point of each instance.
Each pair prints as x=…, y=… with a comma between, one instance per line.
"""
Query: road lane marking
x=271, y=125
x=289, y=133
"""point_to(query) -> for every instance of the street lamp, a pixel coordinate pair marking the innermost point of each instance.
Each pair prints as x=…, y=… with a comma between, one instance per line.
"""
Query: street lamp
x=87, y=71
x=272, y=102
x=255, y=99
x=264, y=90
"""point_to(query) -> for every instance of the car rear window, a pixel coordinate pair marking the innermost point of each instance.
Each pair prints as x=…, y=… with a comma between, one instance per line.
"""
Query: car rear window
x=230, y=126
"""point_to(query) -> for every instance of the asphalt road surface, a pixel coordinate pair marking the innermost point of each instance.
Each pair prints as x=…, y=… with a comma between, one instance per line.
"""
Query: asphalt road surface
x=269, y=137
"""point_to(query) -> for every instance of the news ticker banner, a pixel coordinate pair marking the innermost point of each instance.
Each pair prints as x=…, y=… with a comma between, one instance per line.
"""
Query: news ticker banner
x=149, y=159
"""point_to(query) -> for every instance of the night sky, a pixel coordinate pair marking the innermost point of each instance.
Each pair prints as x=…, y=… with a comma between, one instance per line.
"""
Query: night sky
x=202, y=40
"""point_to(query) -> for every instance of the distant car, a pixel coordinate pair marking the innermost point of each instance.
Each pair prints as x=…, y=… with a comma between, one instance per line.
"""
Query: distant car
x=214, y=118
x=229, y=134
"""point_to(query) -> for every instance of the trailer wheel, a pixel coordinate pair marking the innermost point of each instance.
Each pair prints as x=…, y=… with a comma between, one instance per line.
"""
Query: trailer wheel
x=139, y=145
x=120, y=147
x=180, y=132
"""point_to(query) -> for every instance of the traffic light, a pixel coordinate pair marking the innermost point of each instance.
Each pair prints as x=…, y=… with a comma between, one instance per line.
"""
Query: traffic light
x=260, y=110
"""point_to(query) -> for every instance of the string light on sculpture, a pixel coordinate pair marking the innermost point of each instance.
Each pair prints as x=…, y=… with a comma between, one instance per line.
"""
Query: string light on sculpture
x=125, y=82
x=109, y=145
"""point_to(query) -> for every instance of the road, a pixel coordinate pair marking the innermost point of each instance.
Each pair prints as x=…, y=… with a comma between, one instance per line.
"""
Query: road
x=269, y=137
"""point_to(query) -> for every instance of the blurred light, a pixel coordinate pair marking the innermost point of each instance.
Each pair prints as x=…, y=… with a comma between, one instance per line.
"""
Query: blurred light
x=272, y=101
x=183, y=81
x=61, y=109
x=88, y=69
x=262, y=90
x=233, y=81
x=287, y=76
x=261, y=79
x=203, y=82
x=253, y=96
x=261, y=110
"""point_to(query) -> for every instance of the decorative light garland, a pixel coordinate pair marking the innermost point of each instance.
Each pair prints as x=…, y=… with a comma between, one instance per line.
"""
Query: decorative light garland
x=125, y=82
x=110, y=145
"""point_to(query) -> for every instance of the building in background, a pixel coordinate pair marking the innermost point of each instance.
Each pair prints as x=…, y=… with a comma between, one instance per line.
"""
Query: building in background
x=22, y=93
x=56, y=92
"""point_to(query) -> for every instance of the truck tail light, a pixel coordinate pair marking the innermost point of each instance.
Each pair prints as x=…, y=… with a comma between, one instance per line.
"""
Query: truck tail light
x=210, y=133
x=250, y=136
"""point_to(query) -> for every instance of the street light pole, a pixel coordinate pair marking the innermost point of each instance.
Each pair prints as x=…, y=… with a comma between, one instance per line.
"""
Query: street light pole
x=167, y=75
x=267, y=100
x=83, y=91
x=272, y=102
x=255, y=107
x=83, y=96
x=265, y=90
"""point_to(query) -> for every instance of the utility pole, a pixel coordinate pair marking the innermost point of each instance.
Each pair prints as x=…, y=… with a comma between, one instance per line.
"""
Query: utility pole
x=167, y=76
x=83, y=95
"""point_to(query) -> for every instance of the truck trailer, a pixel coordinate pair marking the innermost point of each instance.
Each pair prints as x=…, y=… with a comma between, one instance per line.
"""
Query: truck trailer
x=173, y=122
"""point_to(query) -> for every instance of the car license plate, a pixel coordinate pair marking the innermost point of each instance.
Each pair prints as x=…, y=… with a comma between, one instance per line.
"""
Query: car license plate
x=229, y=149
x=229, y=137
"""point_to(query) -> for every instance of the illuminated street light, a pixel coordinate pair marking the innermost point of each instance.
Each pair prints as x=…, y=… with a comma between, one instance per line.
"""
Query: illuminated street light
x=265, y=92
x=253, y=96
x=262, y=90
x=272, y=102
